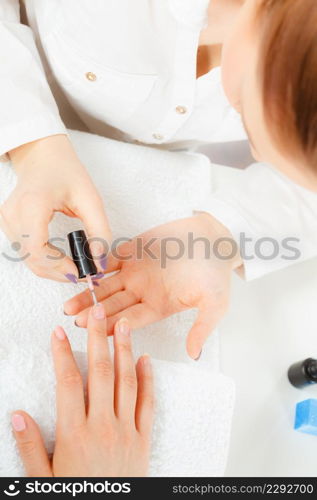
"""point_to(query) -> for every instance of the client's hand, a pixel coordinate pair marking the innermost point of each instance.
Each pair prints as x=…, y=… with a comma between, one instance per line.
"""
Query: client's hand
x=176, y=271
x=111, y=436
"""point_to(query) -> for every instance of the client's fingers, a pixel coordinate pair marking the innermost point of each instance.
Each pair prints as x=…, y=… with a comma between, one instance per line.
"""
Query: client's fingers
x=70, y=401
x=31, y=445
x=138, y=316
x=106, y=288
x=126, y=381
x=145, y=401
x=115, y=304
x=100, y=368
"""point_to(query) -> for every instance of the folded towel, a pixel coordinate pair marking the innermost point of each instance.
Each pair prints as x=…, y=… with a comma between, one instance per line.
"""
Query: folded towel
x=142, y=187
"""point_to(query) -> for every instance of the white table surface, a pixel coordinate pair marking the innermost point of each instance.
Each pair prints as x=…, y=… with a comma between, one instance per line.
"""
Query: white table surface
x=272, y=323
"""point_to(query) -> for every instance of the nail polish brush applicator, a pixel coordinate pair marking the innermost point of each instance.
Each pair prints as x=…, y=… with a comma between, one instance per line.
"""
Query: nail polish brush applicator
x=83, y=259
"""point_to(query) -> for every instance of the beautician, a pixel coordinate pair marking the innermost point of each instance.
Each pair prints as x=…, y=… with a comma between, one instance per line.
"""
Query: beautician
x=148, y=72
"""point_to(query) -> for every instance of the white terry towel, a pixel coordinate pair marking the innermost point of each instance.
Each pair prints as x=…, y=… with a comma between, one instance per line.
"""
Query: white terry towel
x=192, y=412
x=142, y=187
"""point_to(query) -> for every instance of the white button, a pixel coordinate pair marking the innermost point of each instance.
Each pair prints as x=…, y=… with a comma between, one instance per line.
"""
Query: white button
x=91, y=76
x=181, y=110
x=158, y=137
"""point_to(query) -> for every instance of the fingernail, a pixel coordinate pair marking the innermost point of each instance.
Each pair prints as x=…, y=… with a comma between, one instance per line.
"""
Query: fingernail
x=76, y=324
x=123, y=326
x=71, y=277
x=147, y=365
x=59, y=333
x=18, y=422
x=98, y=276
x=198, y=357
x=98, y=311
x=65, y=313
x=95, y=283
x=103, y=262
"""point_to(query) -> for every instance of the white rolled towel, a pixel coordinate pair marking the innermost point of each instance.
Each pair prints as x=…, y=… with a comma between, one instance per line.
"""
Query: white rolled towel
x=193, y=411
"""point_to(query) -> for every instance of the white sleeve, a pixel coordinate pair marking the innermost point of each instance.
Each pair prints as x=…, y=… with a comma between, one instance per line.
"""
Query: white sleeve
x=272, y=220
x=27, y=108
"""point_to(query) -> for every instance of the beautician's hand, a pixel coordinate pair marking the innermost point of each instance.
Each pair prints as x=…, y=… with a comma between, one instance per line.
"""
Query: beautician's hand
x=50, y=178
x=145, y=292
x=111, y=436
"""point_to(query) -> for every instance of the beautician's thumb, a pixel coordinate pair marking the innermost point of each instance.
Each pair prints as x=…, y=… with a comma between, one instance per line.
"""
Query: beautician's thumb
x=206, y=321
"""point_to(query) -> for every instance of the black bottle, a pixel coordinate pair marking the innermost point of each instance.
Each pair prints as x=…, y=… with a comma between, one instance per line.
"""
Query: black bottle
x=303, y=373
x=81, y=254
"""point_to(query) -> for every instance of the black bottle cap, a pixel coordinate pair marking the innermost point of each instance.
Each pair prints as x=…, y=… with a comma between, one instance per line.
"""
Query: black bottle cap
x=303, y=373
x=81, y=253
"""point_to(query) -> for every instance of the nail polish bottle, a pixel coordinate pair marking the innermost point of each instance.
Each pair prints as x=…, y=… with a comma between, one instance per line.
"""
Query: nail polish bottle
x=83, y=259
x=81, y=254
x=303, y=373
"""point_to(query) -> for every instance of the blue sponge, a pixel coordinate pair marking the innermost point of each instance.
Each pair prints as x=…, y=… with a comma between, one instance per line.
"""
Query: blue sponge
x=306, y=416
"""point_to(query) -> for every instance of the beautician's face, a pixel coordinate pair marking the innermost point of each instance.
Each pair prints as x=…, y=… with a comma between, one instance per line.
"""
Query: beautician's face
x=241, y=84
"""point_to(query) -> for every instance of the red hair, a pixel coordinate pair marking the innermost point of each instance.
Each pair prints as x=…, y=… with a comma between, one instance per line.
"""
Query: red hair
x=289, y=74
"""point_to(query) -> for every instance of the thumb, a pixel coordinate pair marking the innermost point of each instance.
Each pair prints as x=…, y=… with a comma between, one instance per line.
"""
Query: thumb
x=31, y=446
x=207, y=319
x=92, y=213
x=27, y=229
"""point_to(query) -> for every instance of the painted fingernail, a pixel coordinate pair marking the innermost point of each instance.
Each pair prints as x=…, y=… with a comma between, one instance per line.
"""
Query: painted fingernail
x=103, y=262
x=18, y=422
x=98, y=276
x=98, y=311
x=147, y=365
x=60, y=333
x=123, y=327
x=71, y=277
x=198, y=357
x=95, y=283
